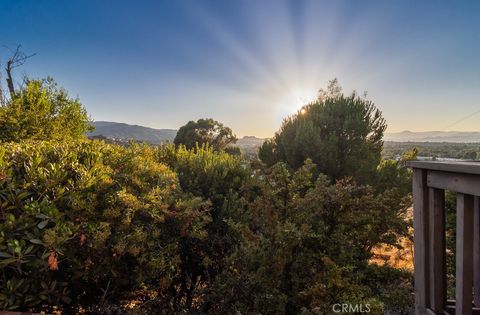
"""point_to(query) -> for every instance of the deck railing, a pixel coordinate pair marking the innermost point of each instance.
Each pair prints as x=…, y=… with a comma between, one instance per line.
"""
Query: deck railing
x=430, y=180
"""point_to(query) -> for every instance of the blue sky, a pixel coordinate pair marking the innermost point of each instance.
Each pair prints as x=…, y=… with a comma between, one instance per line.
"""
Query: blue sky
x=250, y=63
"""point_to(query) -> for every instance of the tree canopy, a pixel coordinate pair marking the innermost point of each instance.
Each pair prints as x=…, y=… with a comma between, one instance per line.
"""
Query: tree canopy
x=42, y=110
x=205, y=131
x=342, y=134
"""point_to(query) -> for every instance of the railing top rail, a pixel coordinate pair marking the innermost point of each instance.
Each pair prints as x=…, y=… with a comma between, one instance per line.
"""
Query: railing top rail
x=466, y=167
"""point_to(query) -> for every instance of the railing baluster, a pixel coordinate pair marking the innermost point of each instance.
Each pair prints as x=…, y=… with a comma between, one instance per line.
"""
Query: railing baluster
x=437, y=250
x=464, y=259
x=476, y=251
x=429, y=232
x=420, y=235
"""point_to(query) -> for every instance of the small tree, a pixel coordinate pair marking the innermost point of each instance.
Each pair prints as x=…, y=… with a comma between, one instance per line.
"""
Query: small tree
x=342, y=134
x=205, y=131
x=42, y=111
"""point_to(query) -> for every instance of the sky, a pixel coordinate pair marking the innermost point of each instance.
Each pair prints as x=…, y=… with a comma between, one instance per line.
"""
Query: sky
x=250, y=63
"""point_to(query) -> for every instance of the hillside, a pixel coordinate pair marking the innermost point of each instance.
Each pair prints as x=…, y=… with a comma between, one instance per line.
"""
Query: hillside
x=124, y=132
x=250, y=142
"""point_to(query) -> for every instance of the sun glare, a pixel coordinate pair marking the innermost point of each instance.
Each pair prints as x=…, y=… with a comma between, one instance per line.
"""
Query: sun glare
x=297, y=98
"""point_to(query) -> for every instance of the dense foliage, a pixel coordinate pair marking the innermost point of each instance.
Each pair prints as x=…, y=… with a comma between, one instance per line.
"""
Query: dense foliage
x=42, y=111
x=98, y=227
x=306, y=245
x=341, y=134
x=90, y=221
x=205, y=131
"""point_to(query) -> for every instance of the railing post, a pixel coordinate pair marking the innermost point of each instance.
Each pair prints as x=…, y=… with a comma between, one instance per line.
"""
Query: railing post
x=420, y=236
x=435, y=177
x=464, y=269
x=437, y=250
x=476, y=251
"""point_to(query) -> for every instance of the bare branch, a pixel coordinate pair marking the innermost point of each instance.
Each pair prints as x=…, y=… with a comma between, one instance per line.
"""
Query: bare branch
x=17, y=59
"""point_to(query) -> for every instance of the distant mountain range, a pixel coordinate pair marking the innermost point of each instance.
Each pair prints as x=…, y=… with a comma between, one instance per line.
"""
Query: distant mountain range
x=124, y=132
x=433, y=136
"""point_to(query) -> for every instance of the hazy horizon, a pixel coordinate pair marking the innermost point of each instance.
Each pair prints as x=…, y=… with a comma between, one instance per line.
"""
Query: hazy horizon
x=388, y=136
x=249, y=64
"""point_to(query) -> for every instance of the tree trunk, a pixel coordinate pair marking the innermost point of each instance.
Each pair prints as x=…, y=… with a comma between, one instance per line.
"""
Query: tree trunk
x=10, y=85
x=1, y=90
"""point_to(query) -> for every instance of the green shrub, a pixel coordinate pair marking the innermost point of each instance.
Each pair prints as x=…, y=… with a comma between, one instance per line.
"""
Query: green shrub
x=215, y=176
x=42, y=110
x=306, y=244
x=86, y=222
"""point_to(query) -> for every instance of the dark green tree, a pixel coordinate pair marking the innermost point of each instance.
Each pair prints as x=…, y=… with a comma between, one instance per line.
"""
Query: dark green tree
x=42, y=110
x=342, y=134
x=205, y=131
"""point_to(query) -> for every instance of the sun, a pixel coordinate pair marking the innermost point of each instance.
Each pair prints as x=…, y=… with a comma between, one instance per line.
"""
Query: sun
x=295, y=99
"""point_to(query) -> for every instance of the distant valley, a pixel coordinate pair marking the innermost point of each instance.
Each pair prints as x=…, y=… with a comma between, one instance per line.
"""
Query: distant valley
x=434, y=136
